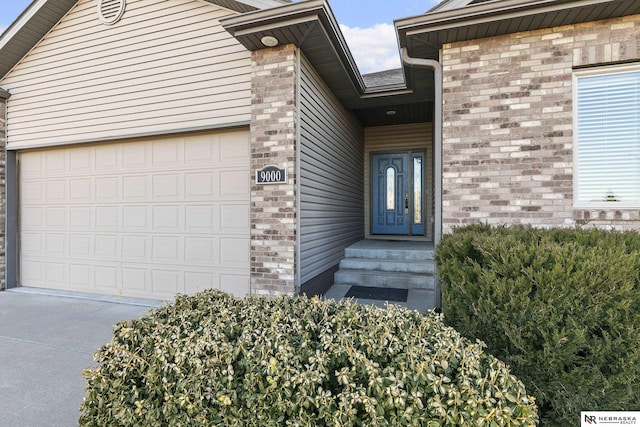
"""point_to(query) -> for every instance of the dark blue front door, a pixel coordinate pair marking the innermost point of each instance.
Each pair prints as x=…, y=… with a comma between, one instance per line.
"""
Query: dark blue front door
x=397, y=193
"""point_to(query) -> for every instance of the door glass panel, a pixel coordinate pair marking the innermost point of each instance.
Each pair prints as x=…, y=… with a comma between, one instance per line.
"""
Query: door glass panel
x=391, y=188
x=417, y=190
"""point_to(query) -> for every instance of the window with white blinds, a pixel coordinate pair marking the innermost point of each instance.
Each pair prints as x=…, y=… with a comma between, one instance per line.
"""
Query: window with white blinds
x=607, y=169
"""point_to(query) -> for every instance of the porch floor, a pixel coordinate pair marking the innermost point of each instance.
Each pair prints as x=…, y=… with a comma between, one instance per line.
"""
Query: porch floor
x=416, y=298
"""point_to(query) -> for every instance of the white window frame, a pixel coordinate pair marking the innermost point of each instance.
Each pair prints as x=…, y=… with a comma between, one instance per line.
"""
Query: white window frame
x=594, y=72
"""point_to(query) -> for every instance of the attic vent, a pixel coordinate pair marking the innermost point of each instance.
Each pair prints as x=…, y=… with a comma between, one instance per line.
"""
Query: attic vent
x=110, y=11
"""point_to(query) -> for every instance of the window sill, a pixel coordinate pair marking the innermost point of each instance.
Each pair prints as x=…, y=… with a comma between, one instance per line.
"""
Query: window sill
x=598, y=214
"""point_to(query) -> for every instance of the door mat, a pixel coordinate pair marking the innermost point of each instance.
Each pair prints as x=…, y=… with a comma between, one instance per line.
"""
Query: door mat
x=381, y=294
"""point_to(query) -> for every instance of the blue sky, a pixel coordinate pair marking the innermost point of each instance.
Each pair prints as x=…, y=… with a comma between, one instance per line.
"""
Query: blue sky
x=366, y=24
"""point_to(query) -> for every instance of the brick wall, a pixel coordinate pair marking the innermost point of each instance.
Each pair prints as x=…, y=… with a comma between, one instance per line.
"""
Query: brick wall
x=3, y=213
x=508, y=129
x=273, y=133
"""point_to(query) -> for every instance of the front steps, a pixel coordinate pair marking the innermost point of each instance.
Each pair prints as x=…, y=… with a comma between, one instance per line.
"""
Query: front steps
x=387, y=264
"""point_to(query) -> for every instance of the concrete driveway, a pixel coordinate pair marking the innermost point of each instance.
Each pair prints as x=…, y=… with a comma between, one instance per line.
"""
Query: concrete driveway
x=46, y=340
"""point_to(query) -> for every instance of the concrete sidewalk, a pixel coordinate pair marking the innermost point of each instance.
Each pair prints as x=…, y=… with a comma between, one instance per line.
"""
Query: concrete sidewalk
x=46, y=340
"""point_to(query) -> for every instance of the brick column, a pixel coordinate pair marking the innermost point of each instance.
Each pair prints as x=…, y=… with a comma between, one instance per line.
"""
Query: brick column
x=273, y=142
x=4, y=95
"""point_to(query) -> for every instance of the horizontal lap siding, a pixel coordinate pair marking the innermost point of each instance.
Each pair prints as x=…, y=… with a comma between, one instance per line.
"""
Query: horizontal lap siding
x=166, y=66
x=331, y=177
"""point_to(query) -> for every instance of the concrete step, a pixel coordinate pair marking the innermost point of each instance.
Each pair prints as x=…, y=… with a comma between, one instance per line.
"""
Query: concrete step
x=389, y=254
x=385, y=265
x=399, y=280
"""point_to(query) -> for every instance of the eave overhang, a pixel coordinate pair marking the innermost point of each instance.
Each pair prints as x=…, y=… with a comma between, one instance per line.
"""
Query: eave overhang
x=28, y=29
x=42, y=15
x=311, y=26
x=424, y=35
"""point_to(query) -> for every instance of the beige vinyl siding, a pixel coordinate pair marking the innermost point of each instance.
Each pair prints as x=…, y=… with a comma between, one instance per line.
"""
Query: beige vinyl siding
x=389, y=139
x=331, y=176
x=166, y=66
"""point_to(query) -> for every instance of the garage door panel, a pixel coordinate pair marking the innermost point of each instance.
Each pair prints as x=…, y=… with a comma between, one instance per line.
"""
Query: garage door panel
x=32, y=243
x=80, y=277
x=32, y=217
x=81, y=217
x=165, y=153
x=200, y=250
x=33, y=192
x=200, y=218
x=107, y=189
x=235, y=284
x=166, y=249
x=56, y=244
x=80, y=190
x=235, y=251
x=56, y=191
x=106, y=278
x=80, y=160
x=200, y=184
x=106, y=247
x=107, y=217
x=235, y=219
x=136, y=218
x=135, y=154
x=32, y=271
x=197, y=282
x=167, y=218
x=144, y=218
x=55, y=272
x=234, y=185
x=106, y=158
x=55, y=161
x=234, y=147
x=135, y=281
x=80, y=246
x=166, y=187
x=165, y=282
x=136, y=188
x=201, y=150
x=56, y=218
x=135, y=247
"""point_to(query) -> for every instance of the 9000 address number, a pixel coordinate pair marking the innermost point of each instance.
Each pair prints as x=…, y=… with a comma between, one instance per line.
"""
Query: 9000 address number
x=271, y=175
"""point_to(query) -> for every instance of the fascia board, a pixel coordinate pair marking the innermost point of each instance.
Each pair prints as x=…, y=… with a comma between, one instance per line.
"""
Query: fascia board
x=484, y=13
x=244, y=6
x=20, y=22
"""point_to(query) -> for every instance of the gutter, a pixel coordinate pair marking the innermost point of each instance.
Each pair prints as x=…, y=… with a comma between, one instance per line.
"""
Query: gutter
x=434, y=65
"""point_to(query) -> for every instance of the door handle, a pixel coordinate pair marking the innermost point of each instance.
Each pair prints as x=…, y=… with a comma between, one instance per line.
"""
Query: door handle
x=406, y=204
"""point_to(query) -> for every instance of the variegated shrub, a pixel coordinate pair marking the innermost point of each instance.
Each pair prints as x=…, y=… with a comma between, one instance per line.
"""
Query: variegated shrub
x=210, y=359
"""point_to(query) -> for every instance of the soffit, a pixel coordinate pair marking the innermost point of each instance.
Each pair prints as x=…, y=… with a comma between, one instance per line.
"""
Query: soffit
x=424, y=35
x=311, y=26
x=28, y=30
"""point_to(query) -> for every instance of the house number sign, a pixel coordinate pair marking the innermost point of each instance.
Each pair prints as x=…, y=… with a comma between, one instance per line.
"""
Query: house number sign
x=271, y=175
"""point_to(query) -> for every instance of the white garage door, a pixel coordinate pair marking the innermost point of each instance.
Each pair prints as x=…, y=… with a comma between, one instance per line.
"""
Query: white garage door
x=145, y=218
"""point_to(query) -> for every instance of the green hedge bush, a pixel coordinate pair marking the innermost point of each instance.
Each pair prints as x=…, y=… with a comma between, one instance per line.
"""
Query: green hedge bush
x=210, y=359
x=560, y=306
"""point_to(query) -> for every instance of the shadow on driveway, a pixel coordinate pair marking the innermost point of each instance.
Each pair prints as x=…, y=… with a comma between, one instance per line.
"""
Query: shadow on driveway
x=46, y=340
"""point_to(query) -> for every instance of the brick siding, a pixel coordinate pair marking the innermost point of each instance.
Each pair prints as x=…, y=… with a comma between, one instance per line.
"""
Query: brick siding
x=508, y=127
x=273, y=142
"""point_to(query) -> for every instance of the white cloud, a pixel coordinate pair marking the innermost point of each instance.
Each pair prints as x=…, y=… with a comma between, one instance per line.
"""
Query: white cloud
x=374, y=48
